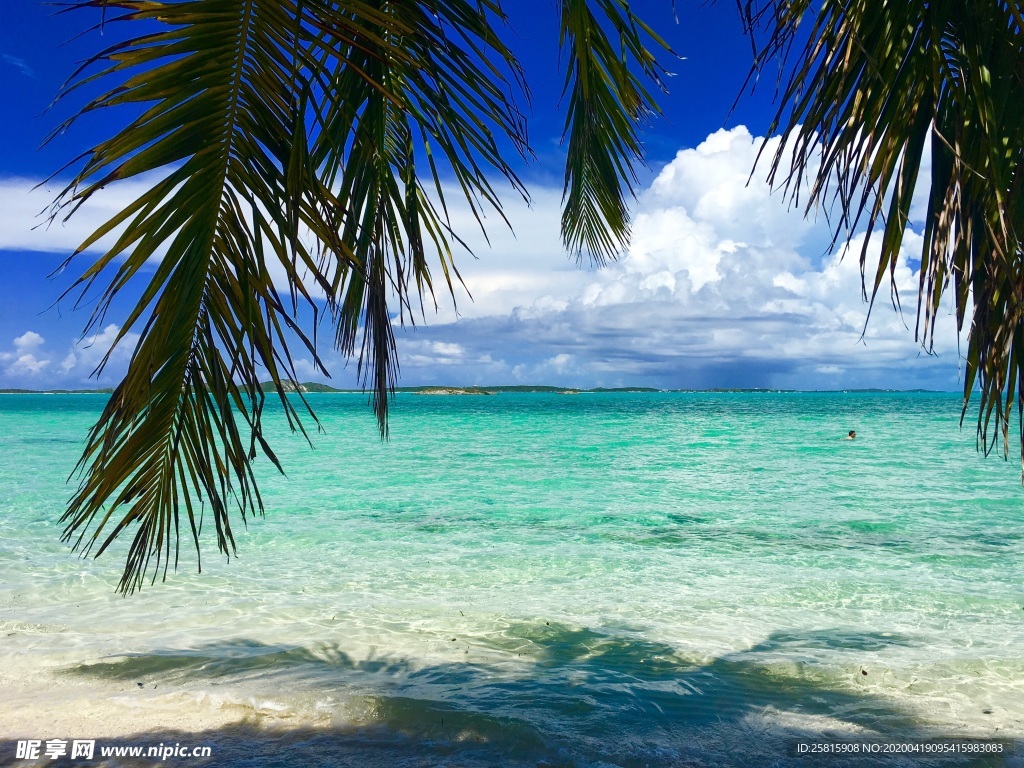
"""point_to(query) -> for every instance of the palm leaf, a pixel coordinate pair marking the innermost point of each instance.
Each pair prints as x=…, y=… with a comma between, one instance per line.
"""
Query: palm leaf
x=872, y=87
x=442, y=83
x=219, y=85
x=274, y=123
x=609, y=62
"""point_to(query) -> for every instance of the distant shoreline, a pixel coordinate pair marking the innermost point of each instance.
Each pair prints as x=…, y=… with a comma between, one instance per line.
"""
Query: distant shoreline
x=56, y=391
x=313, y=388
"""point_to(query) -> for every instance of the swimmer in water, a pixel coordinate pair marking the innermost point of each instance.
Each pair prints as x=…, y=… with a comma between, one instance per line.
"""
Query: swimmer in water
x=852, y=435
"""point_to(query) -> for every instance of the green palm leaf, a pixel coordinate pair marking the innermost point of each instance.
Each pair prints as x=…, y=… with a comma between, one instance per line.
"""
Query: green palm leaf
x=313, y=138
x=222, y=83
x=874, y=85
x=608, y=102
x=443, y=81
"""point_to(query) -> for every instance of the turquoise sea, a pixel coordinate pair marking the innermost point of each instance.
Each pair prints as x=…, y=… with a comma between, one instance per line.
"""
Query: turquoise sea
x=543, y=580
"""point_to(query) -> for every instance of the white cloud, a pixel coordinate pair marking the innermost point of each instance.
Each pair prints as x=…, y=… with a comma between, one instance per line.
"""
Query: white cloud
x=427, y=354
x=19, y=64
x=28, y=341
x=560, y=363
x=81, y=361
x=24, y=215
x=26, y=360
x=722, y=285
x=26, y=364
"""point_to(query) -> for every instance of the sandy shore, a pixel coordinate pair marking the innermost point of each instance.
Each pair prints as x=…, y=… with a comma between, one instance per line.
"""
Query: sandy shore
x=63, y=707
x=255, y=733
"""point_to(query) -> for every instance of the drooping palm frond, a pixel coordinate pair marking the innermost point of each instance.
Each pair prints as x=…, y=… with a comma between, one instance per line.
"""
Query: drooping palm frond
x=229, y=88
x=608, y=101
x=876, y=86
x=217, y=82
x=442, y=81
x=303, y=150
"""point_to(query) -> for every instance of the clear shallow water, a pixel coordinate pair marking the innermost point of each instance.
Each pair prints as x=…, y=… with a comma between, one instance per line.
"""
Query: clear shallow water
x=605, y=579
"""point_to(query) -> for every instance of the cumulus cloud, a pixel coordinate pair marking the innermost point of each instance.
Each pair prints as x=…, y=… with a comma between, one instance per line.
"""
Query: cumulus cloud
x=28, y=363
x=28, y=341
x=723, y=285
x=82, y=360
x=26, y=360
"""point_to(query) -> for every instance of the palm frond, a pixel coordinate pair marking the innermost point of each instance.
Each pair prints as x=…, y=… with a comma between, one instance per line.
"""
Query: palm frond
x=877, y=85
x=274, y=123
x=443, y=83
x=218, y=85
x=609, y=62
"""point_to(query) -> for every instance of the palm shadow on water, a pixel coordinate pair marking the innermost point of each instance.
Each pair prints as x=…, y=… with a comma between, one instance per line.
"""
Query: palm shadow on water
x=546, y=695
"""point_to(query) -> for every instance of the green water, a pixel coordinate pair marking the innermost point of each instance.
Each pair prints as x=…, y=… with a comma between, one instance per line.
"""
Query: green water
x=591, y=580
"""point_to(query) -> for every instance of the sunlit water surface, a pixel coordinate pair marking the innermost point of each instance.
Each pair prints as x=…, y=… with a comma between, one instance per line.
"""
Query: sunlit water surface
x=591, y=580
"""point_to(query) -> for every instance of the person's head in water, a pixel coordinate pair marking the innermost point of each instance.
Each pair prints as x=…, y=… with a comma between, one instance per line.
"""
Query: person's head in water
x=852, y=435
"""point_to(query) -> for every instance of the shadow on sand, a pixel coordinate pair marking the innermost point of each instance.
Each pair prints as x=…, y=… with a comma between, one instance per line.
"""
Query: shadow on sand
x=545, y=695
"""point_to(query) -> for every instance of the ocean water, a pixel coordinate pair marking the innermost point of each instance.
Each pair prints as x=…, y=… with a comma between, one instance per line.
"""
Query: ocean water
x=543, y=580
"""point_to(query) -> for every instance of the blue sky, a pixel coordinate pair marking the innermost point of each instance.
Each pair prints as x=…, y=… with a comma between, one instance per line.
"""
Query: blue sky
x=722, y=286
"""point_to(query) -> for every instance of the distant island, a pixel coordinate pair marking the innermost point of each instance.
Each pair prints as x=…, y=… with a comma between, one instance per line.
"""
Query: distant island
x=312, y=387
x=454, y=391
x=104, y=391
